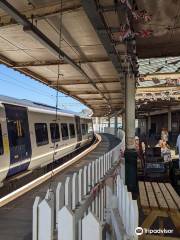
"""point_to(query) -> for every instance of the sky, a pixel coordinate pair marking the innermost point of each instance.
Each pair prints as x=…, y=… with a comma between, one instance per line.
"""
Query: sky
x=17, y=85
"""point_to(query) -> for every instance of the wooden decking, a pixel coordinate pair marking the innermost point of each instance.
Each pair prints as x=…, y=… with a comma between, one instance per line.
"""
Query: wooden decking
x=159, y=200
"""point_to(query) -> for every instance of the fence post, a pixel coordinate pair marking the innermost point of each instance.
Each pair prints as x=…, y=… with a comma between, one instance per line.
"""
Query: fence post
x=99, y=203
x=75, y=186
x=59, y=198
x=104, y=164
x=66, y=224
x=68, y=192
x=102, y=203
x=80, y=180
x=46, y=217
x=35, y=218
x=91, y=228
x=99, y=167
x=124, y=204
x=127, y=207
x=122, y=170
x=89, y=177
x=85, y=181
x=93, y=174
x=97, y=170
x=93, y=183
x=135, y=218
x=128, y=222
x=108, y=165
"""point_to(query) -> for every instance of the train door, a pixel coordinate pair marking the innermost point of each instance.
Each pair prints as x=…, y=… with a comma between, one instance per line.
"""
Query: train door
x=19, y=138
x=78, y=130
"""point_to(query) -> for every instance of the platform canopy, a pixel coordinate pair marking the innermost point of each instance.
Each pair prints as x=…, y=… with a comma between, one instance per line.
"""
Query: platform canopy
x=158, y=85
x=159, y=61
x=99, y=47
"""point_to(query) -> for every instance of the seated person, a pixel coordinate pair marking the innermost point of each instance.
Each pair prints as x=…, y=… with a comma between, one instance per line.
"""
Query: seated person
x=165, y=151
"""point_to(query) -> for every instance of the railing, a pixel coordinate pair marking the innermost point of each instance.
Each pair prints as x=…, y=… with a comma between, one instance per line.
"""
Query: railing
x=81, y=207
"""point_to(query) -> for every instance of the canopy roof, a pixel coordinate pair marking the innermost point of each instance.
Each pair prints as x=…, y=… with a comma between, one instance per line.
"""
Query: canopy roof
x=100, y=43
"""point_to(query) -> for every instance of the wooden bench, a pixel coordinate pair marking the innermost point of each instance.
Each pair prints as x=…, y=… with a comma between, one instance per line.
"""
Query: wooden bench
x=159, y=200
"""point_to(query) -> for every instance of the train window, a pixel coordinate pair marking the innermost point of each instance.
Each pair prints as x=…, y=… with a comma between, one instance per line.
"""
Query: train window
x=1, y=143
x=55, y=136
x=90, y=127
x=64, y=130
x=83, y=126
x=41, y=134
x=86, y=128
x=16, y=132
x=72, y=130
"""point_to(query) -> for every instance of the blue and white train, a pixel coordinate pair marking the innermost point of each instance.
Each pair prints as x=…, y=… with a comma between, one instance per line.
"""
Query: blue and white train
x=29, y=131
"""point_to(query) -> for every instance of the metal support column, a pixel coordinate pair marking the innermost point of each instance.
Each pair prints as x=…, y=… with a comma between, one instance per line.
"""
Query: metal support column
x=148, y=123
x=99, y=124
x=109, y=122
x=169, y=121
x=123, y=121
x=169, y=126
x=130, y=152
x=115, y=125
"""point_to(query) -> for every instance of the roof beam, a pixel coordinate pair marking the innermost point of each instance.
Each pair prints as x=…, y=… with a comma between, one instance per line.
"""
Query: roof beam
x=83, y=83
x=40, y=12
x=98, y=24
x=83, y=92
x=45, y=41
x=66, y=82
x=56, y=62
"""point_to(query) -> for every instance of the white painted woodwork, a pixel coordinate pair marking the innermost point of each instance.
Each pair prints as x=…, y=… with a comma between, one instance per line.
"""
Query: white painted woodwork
x=35, y=218
x=66, y=224
x=91, y=228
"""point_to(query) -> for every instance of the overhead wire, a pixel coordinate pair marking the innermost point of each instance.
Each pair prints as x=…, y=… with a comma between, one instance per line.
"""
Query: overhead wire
x=28, y=87
x=57, y=98
x=21, y=85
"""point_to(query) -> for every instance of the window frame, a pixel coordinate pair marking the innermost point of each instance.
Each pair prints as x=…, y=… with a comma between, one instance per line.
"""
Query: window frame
x=66, y=137
x=72, y=136
x=1, y=141
x=90, y=127
x=55, y=139
x=83, y=130
x=45, y=142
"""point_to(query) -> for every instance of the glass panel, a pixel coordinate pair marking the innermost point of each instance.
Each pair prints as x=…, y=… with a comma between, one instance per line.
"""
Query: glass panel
x=83, y=126
x=90, y=127
x=41, y=134
x=64, y=130
x=72, y=130
x=16, y=132
x=55, y=136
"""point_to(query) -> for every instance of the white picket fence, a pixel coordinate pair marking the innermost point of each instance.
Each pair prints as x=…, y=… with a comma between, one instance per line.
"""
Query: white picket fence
x=82, y=204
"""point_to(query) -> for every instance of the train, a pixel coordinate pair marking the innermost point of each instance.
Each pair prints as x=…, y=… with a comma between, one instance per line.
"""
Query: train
x=33, y=135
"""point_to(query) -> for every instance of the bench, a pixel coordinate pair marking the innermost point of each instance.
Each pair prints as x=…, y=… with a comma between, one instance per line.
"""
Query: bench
x=159, y=200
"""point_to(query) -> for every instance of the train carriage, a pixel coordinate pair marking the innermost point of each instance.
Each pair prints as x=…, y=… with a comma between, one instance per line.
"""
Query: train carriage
x=31, y=132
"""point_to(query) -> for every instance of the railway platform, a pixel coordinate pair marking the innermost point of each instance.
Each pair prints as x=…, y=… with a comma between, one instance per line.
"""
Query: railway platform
x=18, y=213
